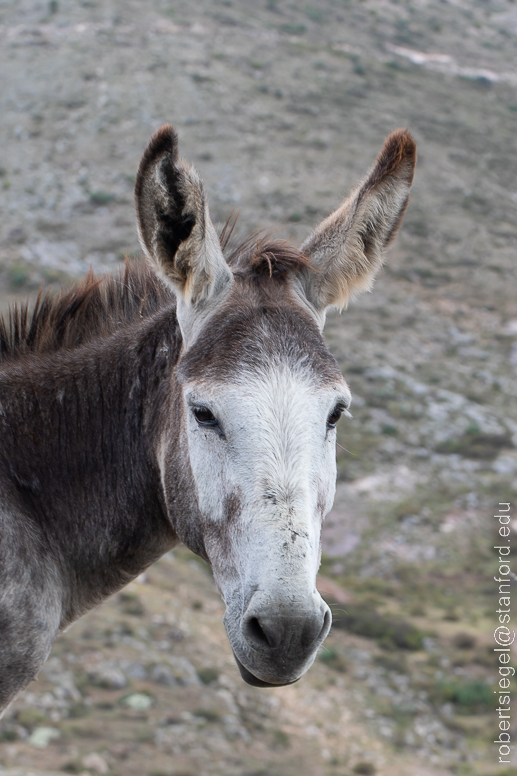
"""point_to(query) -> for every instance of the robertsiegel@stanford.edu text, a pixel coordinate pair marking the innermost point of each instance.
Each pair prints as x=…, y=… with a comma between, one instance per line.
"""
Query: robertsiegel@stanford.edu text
x=503, y=635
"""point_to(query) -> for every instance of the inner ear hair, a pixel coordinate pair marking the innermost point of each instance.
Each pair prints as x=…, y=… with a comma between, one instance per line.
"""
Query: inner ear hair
x=162, y=146
x=161, y=199
x=174, y=224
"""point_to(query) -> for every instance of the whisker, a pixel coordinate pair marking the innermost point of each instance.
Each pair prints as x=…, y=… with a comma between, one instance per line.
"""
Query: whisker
x=346, y=451
x=343, y=611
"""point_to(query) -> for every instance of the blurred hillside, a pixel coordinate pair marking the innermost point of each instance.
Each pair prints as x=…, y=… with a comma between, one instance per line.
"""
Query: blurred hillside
x=283, y=106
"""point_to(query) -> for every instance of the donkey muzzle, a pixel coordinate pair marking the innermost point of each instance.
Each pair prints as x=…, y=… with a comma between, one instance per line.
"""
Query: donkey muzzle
x=280, y=638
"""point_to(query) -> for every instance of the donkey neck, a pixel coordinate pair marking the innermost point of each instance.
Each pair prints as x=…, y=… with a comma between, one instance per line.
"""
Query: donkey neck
x=79, y=433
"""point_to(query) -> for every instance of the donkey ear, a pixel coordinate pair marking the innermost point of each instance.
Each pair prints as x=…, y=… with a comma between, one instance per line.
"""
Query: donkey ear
x=174, y=224
x=346, y=249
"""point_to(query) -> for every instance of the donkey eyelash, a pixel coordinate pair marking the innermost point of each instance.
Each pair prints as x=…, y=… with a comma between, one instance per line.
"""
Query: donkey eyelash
x=334, y=416
x=339, y=411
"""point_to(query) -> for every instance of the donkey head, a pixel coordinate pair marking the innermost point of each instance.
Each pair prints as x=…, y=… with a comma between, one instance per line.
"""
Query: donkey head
x=260, y=394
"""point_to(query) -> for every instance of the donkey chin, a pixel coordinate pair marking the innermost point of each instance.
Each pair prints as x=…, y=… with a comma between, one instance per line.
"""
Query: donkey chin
x=275, y=649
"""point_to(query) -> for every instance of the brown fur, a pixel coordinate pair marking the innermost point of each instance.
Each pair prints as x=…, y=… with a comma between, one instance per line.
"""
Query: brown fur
x=92, y=310
x=260, y=256
x=398, y=156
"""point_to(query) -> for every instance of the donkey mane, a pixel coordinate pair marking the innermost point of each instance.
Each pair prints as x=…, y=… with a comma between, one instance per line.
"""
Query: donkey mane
x=92, y=310
x=97, y=307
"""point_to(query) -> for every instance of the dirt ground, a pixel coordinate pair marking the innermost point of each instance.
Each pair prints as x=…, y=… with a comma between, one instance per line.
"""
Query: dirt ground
x=282, y=107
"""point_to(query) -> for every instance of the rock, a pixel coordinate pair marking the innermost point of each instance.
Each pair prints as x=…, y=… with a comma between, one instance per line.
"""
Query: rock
x=95, y=762
x=233, y=727
x=64, y=680
x=42, y=736
x=388, y=485
x=135, y=671
x=184, y=672
x=108, y=677
x=139, y=701
x=505, y=464
x=163, y=675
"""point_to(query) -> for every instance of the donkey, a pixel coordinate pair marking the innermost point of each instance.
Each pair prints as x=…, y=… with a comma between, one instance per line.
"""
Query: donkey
x=191, y=399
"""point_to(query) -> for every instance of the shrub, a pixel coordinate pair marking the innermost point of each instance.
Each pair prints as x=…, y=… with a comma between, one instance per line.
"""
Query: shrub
x=280, y=739
x=474, y=697
x=392, y=662
x=31, y=718
x=101, y=198
x=451, y=614
x=331, y=657
x=8, y=735
x=293, y=28
x=314, y=13
x=475, y=444
x=208, y=674
x=18, y=276
x=209, y=714
x=464, y=641
x=364, y=769
x=131, y=604
x=389, y=430
x=391, y=632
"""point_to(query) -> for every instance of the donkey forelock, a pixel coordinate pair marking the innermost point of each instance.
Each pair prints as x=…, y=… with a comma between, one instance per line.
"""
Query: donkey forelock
x=261, y=323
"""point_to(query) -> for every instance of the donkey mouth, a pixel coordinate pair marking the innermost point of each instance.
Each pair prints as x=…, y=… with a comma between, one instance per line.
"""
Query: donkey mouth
x=254, y=681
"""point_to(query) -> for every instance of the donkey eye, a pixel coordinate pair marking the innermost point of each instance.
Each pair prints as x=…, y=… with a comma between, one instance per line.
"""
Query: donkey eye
x=334, y=416
x=204, y=417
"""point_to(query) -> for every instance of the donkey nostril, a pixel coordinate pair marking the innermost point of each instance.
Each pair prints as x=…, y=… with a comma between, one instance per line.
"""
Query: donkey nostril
x=327, y=621
x=257, y=633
